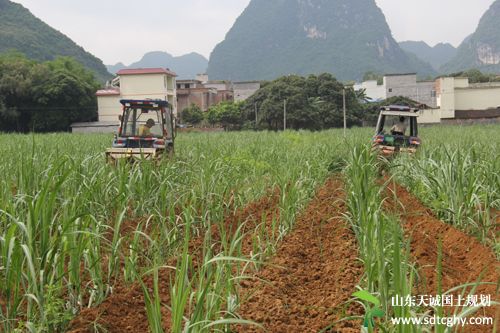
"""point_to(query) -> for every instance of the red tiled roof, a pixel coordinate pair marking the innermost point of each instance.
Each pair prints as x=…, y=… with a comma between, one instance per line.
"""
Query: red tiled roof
x=133, y=71
x=108, y=92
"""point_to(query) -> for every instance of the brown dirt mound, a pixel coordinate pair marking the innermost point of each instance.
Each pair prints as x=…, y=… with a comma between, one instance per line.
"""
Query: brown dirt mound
x=251, y=216
x=124, y=310
x=313, y=274
x=464, y=258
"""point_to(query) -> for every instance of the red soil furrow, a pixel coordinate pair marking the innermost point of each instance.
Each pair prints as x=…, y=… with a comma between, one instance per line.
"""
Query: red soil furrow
x=313, y=274
x=124, y=310
x=464, y=258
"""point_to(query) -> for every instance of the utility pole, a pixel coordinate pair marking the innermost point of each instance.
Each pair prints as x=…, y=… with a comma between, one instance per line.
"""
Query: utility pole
x=255, y=107
x=345, y=117
x=284, y=115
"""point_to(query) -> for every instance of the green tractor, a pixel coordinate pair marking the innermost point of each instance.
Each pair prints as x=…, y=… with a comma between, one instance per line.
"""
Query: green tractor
x=397, y=131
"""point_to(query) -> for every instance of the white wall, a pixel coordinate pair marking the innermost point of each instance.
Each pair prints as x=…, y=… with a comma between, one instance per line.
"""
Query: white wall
x=430, y=116
x=95, y=129
x=243, y=90
x=109, y=108
x=446, y=97
x=457, y=94
x=477, y=98
x=153, y=86
x=373, y=91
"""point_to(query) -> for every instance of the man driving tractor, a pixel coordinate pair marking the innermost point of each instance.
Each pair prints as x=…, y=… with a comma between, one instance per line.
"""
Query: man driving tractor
x=399, y=128
x=145, y=130
x=398, y=140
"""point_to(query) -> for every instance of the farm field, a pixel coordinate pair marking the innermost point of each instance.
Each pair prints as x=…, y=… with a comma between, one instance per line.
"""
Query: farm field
x=248, y=232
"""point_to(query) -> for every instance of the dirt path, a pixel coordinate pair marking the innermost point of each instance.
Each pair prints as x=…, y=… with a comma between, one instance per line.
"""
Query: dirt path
x=464, y=257
x=124, y=310
x=313, y=273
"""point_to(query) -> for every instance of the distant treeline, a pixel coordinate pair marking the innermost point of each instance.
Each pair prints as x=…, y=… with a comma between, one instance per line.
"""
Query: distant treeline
x=44, y=96
x=313, y=103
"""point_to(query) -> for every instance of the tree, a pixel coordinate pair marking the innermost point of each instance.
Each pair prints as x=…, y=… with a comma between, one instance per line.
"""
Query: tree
x=192, y=115
x=476, y=76
x=64, y=91
x=313, y=103
x=372, y=76
x=362, y=96
x=228, y=114
x=15, y=83
x=45, y=96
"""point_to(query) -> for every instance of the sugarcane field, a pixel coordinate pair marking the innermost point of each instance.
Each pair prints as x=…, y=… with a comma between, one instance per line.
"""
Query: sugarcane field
x=249, y=232
x=250, y=166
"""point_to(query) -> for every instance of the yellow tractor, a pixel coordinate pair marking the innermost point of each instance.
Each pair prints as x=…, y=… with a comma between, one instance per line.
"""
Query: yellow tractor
x=146, y=131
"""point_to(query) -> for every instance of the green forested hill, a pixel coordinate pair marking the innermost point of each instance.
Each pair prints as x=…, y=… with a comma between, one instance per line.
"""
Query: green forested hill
x=481, y=50
x=21, y=31
x=278, y=37
x=436, y=56
x=185, y=66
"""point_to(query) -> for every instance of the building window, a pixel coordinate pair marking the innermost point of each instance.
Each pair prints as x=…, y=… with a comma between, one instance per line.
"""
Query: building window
x=178, y=86
x=433, y=93
x=188, y=86
x=390, y=89
x=165, y=81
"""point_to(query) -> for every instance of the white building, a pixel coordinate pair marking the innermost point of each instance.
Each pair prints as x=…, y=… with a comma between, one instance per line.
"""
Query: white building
x=405, y=85
x=244, y=89
x=451, y=99
x=423, y=92
x=459, y=101
x=108, y=104
x=374, y=91
x=141, y=83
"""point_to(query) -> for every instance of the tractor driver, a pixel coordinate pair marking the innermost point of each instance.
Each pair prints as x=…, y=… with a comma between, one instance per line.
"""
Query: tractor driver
x=145, y=130
x=399, y=128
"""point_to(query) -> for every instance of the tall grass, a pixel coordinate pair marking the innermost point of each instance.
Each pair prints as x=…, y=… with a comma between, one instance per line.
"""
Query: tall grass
x=454, y=174
x=388, y=271
x=458, y=177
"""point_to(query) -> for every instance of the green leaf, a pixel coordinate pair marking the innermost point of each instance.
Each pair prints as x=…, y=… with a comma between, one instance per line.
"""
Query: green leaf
x=377, y=313
x=366, y=296
x=232, y=321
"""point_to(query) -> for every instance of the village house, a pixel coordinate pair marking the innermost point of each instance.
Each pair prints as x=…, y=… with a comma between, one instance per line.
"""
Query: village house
x=161, y=83
x=243, y=90
x=205, y=93
x=405, y=85
x=461, y=102
x=195, y=92
x=141, y=83
x=448, y=99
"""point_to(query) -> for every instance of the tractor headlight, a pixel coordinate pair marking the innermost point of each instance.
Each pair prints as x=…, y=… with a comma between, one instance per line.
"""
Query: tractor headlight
x=159, y=143
x=119, y=143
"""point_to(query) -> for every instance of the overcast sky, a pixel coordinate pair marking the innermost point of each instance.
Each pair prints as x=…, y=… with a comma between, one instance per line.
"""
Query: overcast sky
x=123, y=30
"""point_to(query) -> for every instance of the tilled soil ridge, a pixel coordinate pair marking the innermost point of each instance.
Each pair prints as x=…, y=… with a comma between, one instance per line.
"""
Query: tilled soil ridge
x=464, y=258
x=124, y=310
x=313, y=274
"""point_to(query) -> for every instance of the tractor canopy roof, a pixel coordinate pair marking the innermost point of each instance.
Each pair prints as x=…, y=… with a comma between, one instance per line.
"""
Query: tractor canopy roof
x=144, y=103
x=399, y=110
